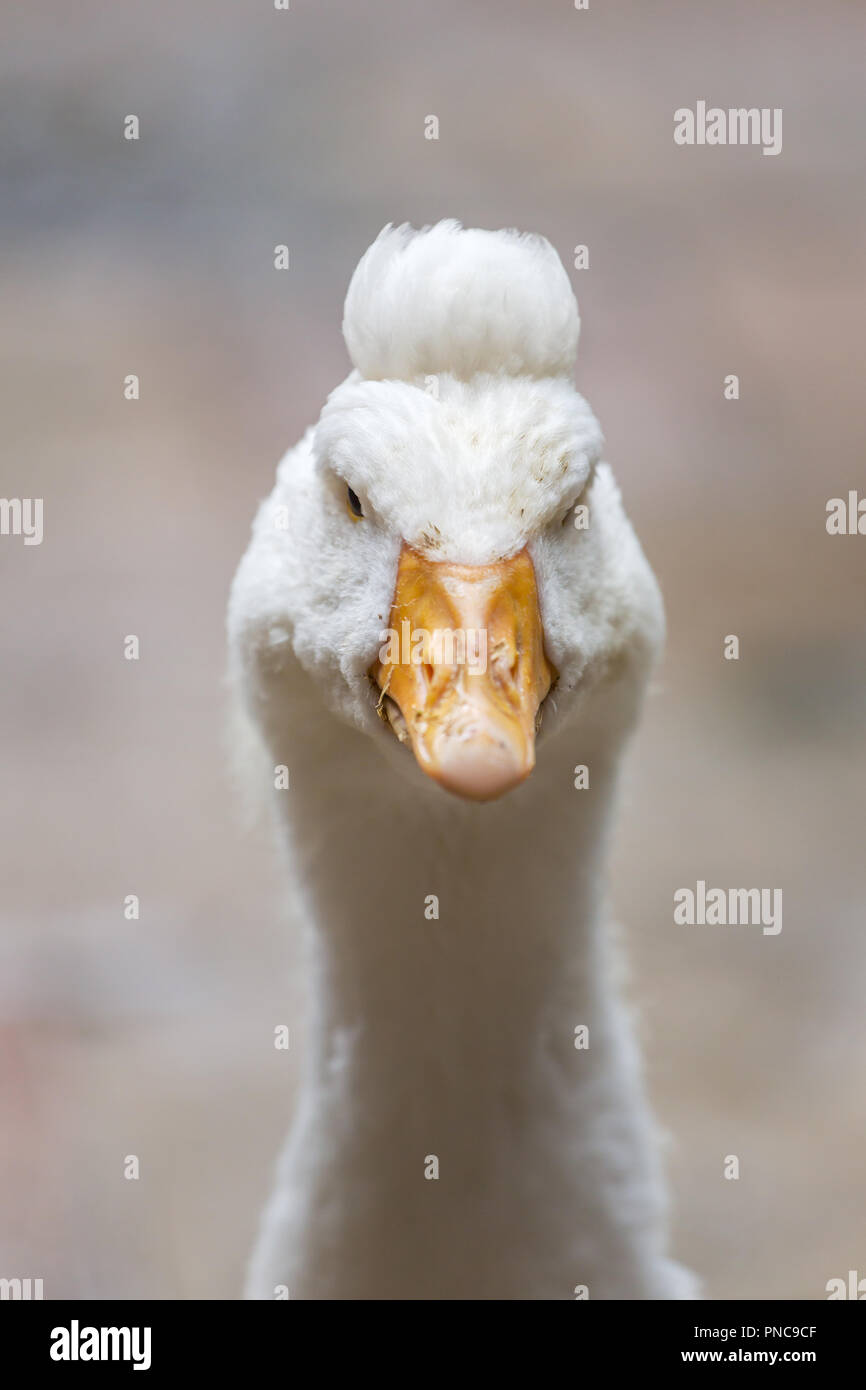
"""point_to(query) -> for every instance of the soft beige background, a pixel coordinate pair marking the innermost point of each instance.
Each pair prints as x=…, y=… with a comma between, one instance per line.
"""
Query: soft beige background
x=258, y=127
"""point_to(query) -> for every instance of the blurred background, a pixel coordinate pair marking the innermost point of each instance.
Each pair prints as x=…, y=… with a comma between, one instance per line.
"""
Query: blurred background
x=257, y=127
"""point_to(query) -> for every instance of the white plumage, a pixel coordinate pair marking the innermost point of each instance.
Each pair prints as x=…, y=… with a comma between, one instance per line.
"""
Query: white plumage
x=449, y=299
x=452, y=1036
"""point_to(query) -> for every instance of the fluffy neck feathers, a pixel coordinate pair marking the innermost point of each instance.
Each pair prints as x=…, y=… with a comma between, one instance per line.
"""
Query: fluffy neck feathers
x=454, y=1038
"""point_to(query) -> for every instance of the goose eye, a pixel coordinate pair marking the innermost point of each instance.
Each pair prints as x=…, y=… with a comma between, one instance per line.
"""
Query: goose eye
x=353, y=502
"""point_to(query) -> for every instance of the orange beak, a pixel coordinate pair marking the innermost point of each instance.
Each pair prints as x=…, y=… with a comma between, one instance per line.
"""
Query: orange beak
x=463, y=672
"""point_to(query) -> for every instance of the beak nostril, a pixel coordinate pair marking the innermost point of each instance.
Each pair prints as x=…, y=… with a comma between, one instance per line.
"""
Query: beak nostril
x=505, y=662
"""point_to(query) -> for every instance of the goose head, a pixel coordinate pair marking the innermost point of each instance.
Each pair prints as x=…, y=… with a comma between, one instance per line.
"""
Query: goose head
x=445, y=553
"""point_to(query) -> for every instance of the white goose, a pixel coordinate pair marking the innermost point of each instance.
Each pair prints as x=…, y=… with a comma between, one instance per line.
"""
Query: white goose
x=451, y=1140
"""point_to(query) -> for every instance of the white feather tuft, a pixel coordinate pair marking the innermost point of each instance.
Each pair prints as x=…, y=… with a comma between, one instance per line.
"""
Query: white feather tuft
x=463, y=301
